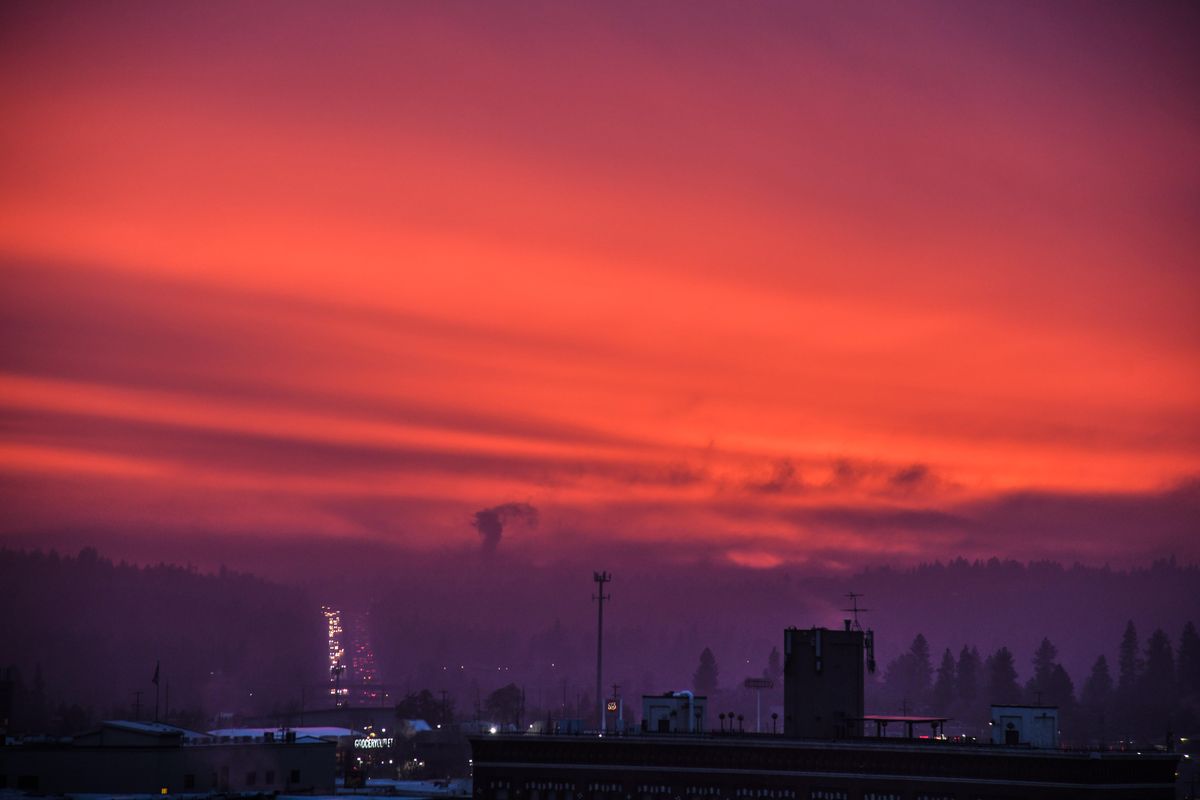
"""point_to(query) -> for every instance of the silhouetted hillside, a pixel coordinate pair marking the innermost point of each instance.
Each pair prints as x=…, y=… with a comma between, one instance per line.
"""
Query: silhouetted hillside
x=95, y=630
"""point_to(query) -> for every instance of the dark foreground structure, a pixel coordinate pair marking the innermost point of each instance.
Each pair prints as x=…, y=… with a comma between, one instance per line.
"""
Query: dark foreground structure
x=822, y=756
x=652, y=767
x=148, y=758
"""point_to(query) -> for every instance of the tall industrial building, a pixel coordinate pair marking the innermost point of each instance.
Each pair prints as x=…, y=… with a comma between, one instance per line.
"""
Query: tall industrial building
x=823, y=680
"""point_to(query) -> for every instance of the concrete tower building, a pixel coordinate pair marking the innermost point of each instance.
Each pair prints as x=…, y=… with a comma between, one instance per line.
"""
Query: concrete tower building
x=823, y=683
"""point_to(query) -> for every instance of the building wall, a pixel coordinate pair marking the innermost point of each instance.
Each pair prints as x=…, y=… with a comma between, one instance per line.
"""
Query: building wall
x=1033, y=726
x=823, y=683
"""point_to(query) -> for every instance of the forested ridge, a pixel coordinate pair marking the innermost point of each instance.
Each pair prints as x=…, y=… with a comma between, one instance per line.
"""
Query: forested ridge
x=83, y=634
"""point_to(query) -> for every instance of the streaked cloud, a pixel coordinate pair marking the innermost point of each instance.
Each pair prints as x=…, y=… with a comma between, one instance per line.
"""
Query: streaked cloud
x=786, y=284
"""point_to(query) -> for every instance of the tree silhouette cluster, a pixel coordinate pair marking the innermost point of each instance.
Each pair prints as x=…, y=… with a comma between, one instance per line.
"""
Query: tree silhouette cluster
x=506, y=705
x=426, y=706
x=1156, y=690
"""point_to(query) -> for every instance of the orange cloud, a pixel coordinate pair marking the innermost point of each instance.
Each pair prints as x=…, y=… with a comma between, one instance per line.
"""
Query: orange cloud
x=437, y=259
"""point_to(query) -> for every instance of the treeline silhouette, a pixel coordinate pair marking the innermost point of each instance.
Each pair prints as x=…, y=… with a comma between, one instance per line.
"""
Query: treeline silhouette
x=1153, y=691
x=97, y=628
x=990, y=602
x=83, y=634
x=476, y=627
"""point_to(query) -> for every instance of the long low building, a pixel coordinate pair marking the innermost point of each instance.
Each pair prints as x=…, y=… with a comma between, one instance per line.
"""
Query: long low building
x=151, y=758
x=652, y=767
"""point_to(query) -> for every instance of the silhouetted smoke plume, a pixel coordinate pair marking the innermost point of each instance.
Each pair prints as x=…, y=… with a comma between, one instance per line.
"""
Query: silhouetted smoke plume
x=490, y=522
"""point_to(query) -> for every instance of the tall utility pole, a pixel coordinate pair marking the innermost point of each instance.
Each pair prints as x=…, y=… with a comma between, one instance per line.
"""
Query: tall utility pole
x=600, y=578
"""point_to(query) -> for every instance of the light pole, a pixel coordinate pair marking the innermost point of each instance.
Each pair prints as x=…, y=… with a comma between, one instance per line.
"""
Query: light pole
x=600, y=578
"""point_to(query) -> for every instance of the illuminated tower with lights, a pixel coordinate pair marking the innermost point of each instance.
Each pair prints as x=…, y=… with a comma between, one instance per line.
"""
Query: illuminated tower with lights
x=362, y=662
x=337, y=653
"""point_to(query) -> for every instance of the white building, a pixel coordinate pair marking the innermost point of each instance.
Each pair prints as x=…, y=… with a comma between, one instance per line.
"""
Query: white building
x=673, y=712
x=1032, y=726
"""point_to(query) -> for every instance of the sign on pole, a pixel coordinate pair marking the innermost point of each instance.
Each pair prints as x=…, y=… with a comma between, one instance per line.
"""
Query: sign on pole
x=758, y=684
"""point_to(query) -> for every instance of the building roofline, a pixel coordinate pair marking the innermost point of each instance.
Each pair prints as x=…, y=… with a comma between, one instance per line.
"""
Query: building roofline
x=765, y=741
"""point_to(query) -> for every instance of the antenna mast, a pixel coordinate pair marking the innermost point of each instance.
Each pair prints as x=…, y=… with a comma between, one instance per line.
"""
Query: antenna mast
x=855, y=610
x=868, y=634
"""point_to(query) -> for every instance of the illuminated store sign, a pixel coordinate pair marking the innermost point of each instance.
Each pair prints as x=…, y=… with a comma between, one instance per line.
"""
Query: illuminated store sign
x=373, y=744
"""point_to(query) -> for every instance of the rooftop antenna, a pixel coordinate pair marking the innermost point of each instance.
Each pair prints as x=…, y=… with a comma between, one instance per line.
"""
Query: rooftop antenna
x=600, y=578
x=855, y=610
x=868, y=634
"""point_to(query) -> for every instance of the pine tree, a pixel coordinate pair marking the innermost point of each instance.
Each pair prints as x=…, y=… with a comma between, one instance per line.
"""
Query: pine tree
x=1060, y=691
x=1037, y=690
x=967, y=680
x=704, y=681
x=774, y=670
x=907, y=678
x=922, y=666
x=1129, y=662
x=1096, y=701
x=1158, y=681
x=1002, y=685
x=944, y=686
x=1189, y=662
x=1160, y=660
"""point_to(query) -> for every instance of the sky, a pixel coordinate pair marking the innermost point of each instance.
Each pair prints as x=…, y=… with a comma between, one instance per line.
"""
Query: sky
x=759, y=284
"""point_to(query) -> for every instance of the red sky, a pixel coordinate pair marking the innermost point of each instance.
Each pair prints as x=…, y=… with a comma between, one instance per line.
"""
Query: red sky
x=773, y=283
